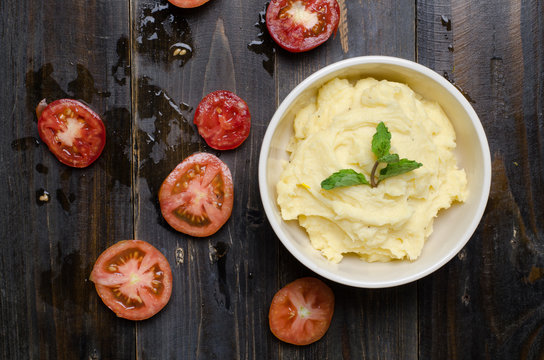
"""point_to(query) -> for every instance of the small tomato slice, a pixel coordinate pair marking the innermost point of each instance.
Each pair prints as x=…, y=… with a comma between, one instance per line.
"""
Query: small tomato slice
x=301, y=311
x=188, y=3
x=301, y=25
x=133, y=279
x=196, y=197
x=223, y=120
x=74, y=133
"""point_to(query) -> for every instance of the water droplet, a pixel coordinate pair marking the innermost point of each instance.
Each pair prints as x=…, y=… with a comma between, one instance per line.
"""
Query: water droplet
x=169, y=137
x=264, y=45
x=158, y=25
x=446, y=21
x=121, y=70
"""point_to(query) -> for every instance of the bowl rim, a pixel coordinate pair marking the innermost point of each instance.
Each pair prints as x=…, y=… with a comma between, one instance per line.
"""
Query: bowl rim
x=293, y=95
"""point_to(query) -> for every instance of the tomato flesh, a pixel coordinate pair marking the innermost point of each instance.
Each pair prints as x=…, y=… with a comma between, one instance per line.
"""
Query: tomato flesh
x=196, y=198
x=301, y=312
x=301, y=25
x=188, y=3
x=223, y=120
x=133, y=279
x=74, y=133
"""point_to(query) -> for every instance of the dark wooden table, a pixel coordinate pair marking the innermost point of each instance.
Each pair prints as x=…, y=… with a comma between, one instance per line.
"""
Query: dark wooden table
x=118, y=56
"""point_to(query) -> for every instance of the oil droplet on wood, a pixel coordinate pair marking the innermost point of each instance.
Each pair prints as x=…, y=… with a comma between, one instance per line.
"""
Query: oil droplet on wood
x=42, y=169
x=40, y=85
x=118, y=147
x=65, y=200
x=121, y=70
x=264, y=45
x=159, y=25
x=25, y=143
x=461, y=90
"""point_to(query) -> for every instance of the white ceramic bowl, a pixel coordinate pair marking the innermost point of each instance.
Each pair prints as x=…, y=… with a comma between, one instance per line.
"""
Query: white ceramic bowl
x=452, y=228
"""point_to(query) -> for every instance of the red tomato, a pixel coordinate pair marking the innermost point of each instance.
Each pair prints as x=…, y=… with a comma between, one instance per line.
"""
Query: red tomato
x=133, y=279
x=301, y=311
x=74, y=133
x=223, y=120
x=188, y=3
x=196, y=198
x=301, y=25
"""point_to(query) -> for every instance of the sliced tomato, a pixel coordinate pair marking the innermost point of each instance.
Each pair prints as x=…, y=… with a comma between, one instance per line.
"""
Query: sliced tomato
x=197, y=197
x=301, y=25
x=223, y=120
x=301, y=311
x=74, y=133
x=188, y=3
x=133, y=279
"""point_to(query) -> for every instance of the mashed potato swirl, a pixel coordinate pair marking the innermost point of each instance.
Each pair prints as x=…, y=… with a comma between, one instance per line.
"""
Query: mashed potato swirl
x=392, y=220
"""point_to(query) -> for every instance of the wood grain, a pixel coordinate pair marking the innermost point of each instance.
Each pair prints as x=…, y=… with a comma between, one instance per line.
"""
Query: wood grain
x=120, y=57
x=49, y=309
x=492, y=291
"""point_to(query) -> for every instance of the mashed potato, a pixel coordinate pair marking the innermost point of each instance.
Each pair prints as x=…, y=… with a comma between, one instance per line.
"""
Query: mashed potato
x=392, y=220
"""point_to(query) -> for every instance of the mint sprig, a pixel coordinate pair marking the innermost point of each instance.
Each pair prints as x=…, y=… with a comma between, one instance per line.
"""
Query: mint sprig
x=381, y=146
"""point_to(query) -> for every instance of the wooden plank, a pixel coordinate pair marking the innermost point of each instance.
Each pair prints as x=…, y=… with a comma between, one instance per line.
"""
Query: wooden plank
x=222, y=286
x=488, y=300
x=221, y=289
x=48, y=308
x=368, y=324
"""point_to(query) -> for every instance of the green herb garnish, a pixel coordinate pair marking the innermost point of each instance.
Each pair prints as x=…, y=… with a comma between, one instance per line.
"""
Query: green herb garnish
x=381, y=145
x=344, y=177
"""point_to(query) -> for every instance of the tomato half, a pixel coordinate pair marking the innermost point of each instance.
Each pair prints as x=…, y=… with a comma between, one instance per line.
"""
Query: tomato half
x=133, y=279
x=188, y=3
x=74, y=133
x=196, y=197
x=301, y=311
x=301, y=25
x=223, y=120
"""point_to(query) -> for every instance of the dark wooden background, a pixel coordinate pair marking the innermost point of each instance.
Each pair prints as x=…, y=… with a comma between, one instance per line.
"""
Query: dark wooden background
x=117, y=55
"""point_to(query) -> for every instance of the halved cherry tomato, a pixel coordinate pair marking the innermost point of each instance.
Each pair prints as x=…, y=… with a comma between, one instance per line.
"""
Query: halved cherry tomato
x=301, y=311
x=301, y=25
x=223, y=120
x=188, y=3
x=197, y=197
x=133, y=279
x=74, y=133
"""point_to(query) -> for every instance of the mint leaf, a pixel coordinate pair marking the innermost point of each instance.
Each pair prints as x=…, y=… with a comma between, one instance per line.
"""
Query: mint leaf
x=381, y=145
x=390, y=158
x=344, y=177
x=381, y=141
x=396, y=168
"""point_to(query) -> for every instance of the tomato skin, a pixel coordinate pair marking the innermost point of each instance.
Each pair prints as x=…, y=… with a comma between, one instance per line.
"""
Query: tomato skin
x=223, y=120
x=188, y=3
x=105, y=279
x=289, y=31
x=301, y=311
x=88, y=139
x=196, y=198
